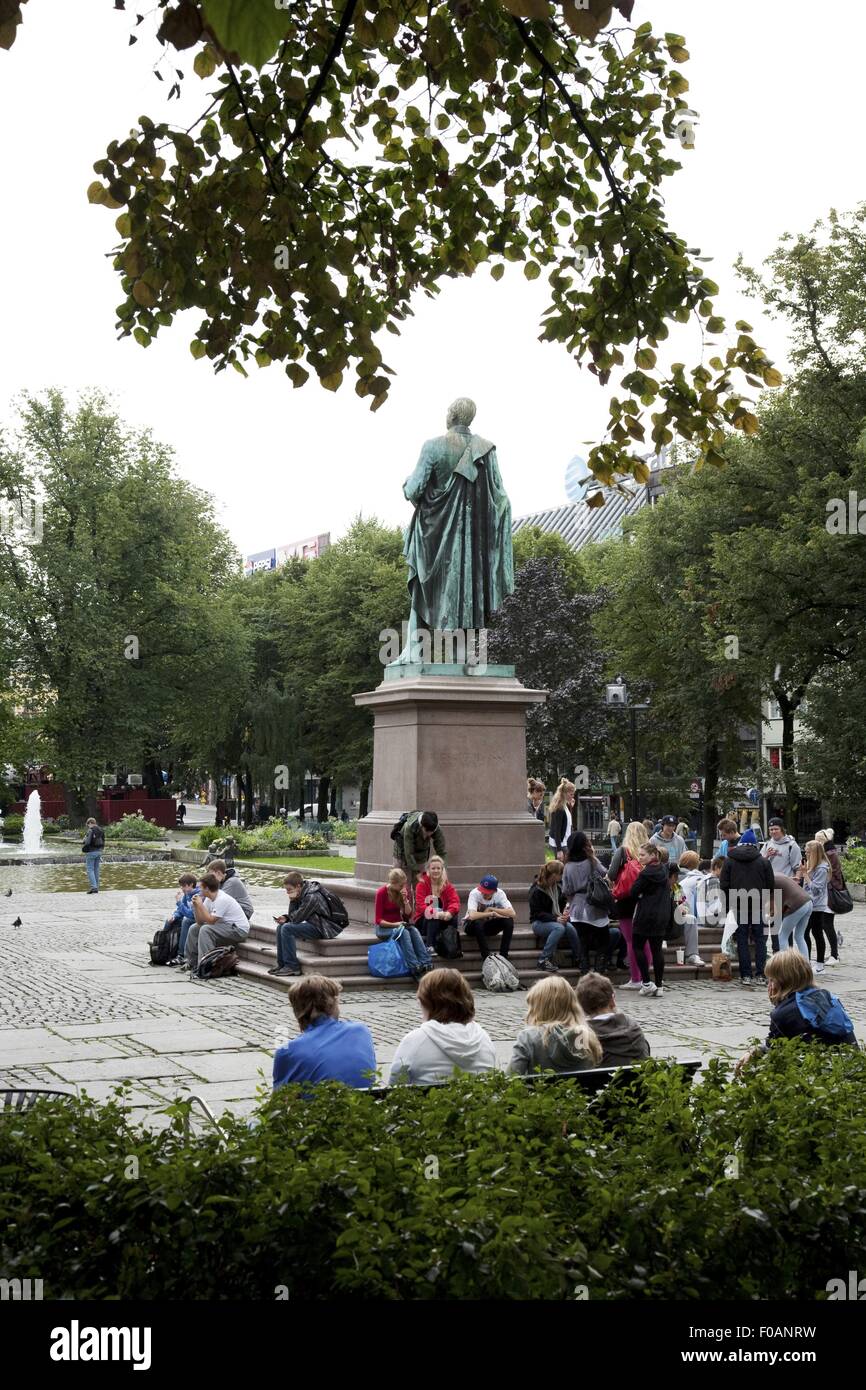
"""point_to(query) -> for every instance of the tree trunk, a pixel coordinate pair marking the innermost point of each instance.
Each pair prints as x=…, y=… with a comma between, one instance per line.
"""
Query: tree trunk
x=322, y=808
x=709, y=809
x=333, y=810
x=364, y=800
x=152, y=778
x=248, y=798
x=302, y=815
x=786, y=761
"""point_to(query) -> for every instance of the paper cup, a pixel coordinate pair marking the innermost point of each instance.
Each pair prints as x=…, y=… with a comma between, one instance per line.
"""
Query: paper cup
x=681, y=955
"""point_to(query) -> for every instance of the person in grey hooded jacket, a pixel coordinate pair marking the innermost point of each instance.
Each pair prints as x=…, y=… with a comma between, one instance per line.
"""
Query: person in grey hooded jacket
x=782, y=850
x=557, y=1036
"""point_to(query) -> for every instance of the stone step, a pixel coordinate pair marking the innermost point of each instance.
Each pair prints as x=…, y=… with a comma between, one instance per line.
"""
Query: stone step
x=257, y=957
x=353, y=939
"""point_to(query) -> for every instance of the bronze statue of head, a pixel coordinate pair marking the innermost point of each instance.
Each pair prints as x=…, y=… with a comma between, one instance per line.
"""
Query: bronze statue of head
x=460, y=412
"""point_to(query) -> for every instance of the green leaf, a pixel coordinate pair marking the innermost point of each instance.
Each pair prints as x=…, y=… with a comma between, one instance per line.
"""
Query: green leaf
x=205, y=62
x=532, y=270
x=197, y=348
x=497, y=271
x=252, y=28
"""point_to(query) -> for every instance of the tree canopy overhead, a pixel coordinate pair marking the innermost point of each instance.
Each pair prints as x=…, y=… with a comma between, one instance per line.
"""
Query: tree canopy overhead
x=352, y=154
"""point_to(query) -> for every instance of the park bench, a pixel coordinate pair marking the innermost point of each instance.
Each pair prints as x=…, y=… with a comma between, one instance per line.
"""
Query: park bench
x=592, y=1079
x=24, y=1097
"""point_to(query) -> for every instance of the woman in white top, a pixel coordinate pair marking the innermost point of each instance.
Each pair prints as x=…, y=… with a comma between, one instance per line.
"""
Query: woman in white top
x=561, y=819
x=816, y=880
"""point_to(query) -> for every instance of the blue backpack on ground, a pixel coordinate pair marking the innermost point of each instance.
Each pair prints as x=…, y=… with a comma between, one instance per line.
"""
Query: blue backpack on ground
x=386, y=960
x=825, y=1013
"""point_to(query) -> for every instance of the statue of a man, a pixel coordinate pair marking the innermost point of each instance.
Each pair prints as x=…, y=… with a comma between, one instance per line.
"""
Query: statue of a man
x=458, y=543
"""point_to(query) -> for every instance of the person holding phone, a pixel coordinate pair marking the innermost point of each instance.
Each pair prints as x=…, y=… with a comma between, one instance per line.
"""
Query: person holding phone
x=436, y=901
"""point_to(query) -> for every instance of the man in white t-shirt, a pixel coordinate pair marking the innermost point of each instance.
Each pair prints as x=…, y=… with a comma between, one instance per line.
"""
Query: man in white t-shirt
x=219, y=921
x=488, y=913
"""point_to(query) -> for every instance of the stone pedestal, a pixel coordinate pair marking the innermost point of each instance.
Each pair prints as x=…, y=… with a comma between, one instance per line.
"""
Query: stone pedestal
x=454, y=744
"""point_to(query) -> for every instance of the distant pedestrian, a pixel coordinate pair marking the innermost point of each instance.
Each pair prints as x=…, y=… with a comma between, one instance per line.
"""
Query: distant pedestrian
x=591, y=923
x=561, y=820
x=94, y=844
x=729, y=835
x=181, y=811
x=747, y=883
x=535, y=798
x=614, y=830
x=782, y=850
x=624, y=869
x=667, y=838
x=815, y=878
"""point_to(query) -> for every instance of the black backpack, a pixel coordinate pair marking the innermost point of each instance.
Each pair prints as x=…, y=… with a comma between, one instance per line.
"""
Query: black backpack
x=336, y=907
x=397, y=827
x=448, y=943
x=166, y=943
x=223, y=960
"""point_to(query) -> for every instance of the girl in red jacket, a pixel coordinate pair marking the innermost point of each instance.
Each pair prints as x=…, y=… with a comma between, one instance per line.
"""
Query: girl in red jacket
x=436, y=901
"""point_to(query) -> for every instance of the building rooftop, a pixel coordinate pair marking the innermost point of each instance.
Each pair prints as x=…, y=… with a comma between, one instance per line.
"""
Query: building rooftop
x=580, y=525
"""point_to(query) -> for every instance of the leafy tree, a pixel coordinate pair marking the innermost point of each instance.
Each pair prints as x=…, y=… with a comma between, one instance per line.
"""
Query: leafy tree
x=531, y=543
x=352, y=154
x=329, y=648
x=658, y=636
x=113, y=607
x=545, y=629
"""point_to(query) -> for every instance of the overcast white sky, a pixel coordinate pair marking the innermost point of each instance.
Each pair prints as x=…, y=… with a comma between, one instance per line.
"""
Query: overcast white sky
x=779, y=92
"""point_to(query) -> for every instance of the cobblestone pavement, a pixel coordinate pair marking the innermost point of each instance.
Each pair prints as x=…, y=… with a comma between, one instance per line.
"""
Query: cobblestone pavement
x=81, y=1007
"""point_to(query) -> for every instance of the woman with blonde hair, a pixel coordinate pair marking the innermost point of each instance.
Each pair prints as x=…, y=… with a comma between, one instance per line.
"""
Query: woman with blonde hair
x=561, y=817
x=557, y=1036
x=624, y=869
x=436, y=900
x=393, y=913
x=816, y=881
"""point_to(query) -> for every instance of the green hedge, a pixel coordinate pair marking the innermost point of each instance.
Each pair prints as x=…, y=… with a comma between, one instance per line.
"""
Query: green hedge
x=134, y=827
x=483, y=1188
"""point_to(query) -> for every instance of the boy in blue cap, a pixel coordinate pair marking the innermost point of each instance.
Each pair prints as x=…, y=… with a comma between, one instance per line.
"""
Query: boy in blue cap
x=488, y=913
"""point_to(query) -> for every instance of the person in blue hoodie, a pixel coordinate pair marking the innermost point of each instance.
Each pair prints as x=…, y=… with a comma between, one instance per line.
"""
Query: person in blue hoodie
x=327, y=1049
x=183, y=911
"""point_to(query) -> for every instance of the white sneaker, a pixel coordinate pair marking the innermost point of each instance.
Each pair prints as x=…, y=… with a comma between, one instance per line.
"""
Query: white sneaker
x=819, y=969
x=834, y=960
x=632, y=984
x=649, y=989
x=659, y=991
x=696, y=960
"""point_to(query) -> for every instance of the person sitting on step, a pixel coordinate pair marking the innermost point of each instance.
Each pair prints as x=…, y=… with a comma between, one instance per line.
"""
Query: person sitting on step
x=231, y=883
x=621, y=1037
x=219, y=921
x=548, y=916
x=557, y=1036
x=436, y=901
x=393, y=912
x=328, y=1048
x=183, y=913
x=488, y=913
x=309, y=918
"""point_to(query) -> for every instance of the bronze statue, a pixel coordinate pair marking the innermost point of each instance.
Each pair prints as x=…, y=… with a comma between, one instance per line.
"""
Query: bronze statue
x=458, y=543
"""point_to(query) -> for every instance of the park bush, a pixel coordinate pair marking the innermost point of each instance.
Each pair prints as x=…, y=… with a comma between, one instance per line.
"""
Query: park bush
x=484, y=1188
x=134, y=827
x=272, y=838
x=344, y=832
x=12, y=826
x=854, y=864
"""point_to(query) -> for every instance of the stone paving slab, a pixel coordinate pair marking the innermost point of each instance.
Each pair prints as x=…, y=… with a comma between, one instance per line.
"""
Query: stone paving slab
x=119, y=1069
x=184, y=1038
x=59, y=1051
x=228, y=1066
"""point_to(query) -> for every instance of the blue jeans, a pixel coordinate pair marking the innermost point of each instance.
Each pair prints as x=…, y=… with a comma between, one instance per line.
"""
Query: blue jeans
x=551, y=933
x=411, y=943
x=760, y=940
x=185, y=924
x=91, y=860
x=288, y=934
x=613, y=843
x=794, y=926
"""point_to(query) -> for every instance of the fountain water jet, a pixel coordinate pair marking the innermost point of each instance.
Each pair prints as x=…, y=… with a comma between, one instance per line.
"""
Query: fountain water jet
x=32, y=832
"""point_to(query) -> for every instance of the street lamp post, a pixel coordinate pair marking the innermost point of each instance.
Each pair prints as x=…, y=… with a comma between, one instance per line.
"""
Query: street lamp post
x=616, y=694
